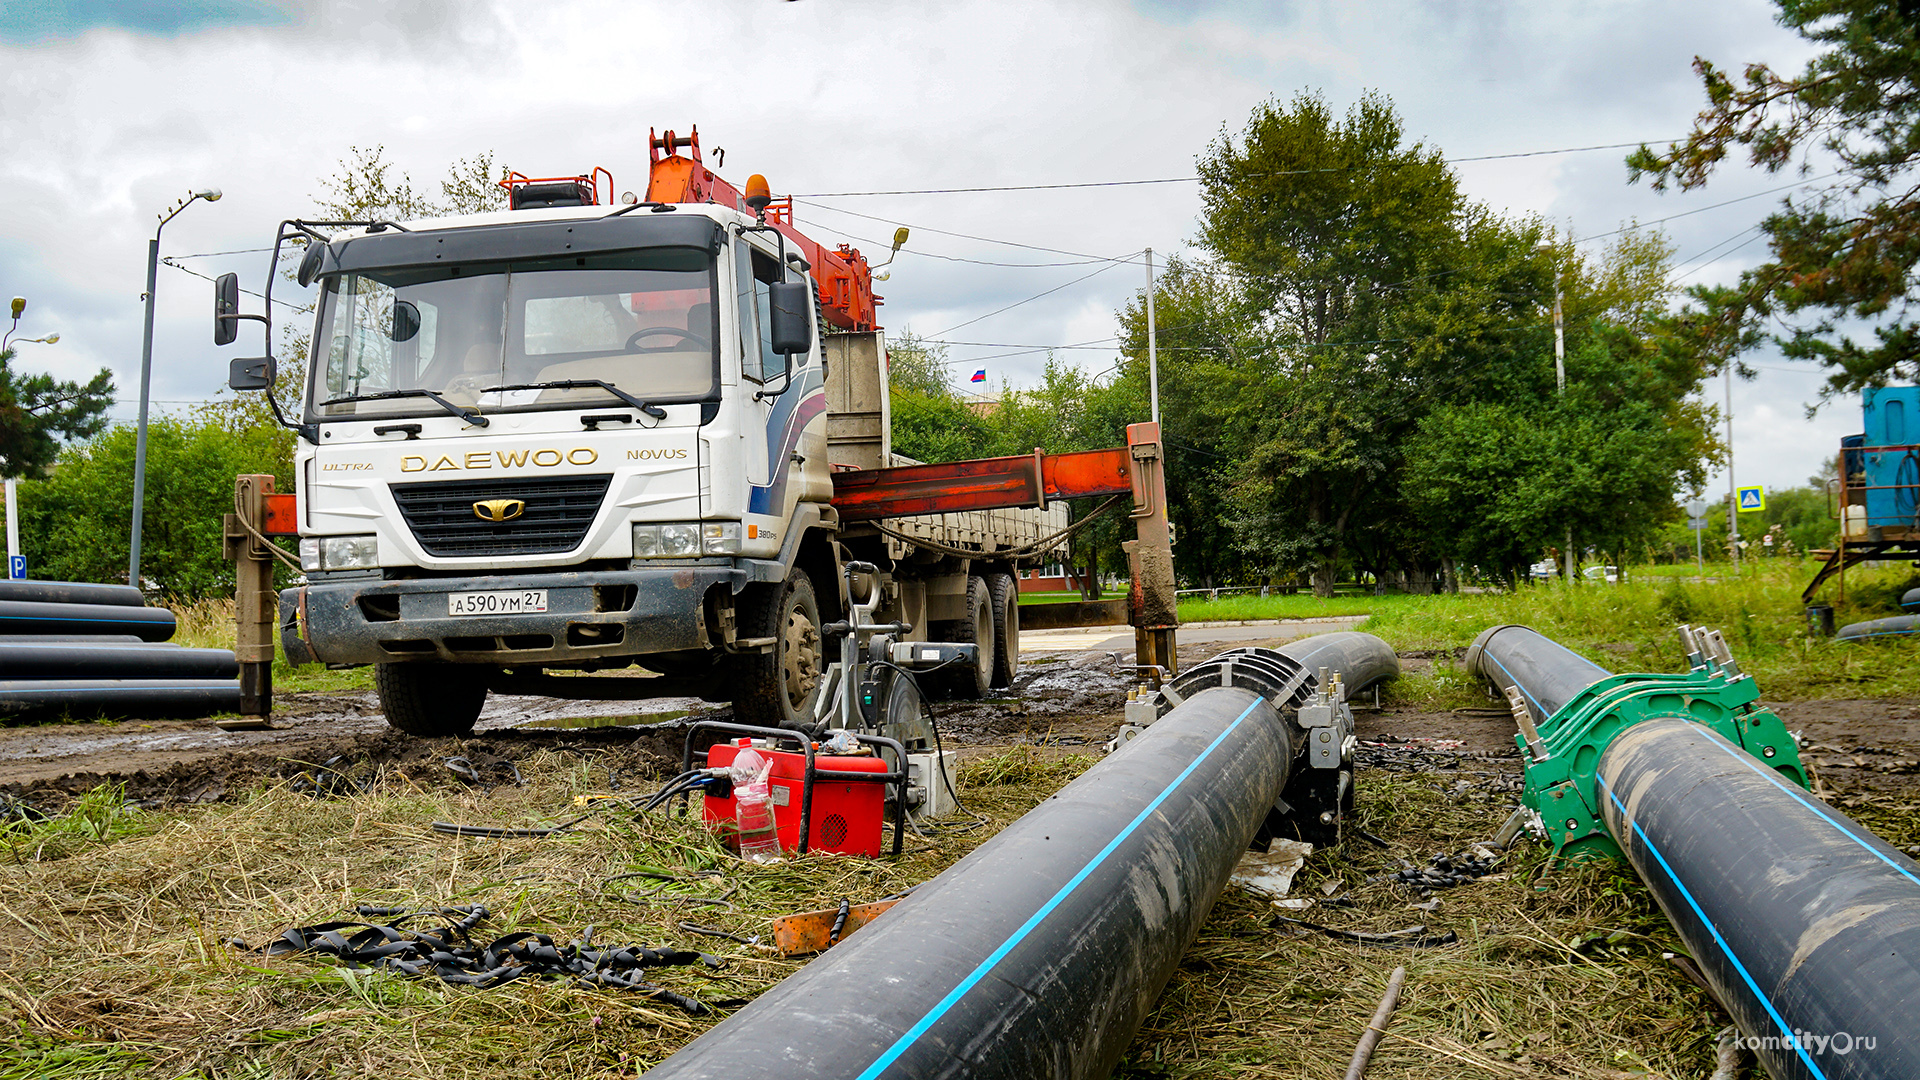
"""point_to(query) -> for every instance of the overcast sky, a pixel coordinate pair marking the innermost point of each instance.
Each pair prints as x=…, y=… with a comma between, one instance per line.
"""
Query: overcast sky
x=112, y=110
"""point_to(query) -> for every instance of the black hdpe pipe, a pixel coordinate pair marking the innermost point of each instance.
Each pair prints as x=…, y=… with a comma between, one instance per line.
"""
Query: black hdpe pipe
x=1806, y=925
x=1361, y=659
x=41, y=617
x=1039, y=954
x=107, y=697
x=71, y=592
x=1547, y=673
x=1897, y=626
x=81, y=660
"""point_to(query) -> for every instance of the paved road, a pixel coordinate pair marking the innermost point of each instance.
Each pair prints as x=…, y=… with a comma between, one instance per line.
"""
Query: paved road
x=1120, y=638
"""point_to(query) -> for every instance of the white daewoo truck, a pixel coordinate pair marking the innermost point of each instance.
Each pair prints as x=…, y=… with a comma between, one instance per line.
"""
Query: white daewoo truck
x=581, y=435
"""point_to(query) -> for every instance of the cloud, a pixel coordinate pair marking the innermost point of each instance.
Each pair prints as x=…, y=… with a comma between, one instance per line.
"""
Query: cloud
x=110, y=119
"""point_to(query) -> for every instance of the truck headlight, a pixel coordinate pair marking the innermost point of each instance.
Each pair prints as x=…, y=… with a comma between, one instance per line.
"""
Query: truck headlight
x=665, y=541
x=679, y=540
x=339, y=553
x=720, y=537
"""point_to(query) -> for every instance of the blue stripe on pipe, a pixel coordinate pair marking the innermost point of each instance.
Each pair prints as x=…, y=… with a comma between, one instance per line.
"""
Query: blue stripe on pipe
x=980, y=972
x=177, y=685
x=57, y=618
x=1778, y=1020
x=1746, y=759
x=1537, y=707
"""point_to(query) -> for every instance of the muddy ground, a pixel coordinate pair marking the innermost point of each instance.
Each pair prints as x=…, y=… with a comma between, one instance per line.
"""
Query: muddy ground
x=1069, y=700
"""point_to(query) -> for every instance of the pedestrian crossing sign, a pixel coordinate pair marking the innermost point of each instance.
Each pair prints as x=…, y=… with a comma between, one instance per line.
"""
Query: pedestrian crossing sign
x=1752, y=498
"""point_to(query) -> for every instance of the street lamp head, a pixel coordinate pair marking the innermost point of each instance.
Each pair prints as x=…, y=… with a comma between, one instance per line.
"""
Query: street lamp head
x=211, y=194
x=51, y=339
x=19, y=307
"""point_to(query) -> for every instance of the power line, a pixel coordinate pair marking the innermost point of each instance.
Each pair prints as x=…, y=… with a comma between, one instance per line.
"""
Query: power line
x=1192, y=179
x=968, y=236
x=1029, y=299
x=169, y=261
x=211, y=254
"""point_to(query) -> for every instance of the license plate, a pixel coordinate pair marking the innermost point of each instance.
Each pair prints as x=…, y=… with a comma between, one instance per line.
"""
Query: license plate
x=513, y=602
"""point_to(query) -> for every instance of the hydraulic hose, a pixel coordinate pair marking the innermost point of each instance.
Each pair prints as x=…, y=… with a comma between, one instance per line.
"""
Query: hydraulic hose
x=1039, y=954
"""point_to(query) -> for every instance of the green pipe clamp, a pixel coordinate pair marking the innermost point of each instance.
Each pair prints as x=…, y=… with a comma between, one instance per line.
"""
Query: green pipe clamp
x=1560, y=766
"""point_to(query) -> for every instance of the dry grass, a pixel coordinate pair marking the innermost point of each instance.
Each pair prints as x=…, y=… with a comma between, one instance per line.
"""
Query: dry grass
x=1557, y=971
x=127, y=972
x=114, y=958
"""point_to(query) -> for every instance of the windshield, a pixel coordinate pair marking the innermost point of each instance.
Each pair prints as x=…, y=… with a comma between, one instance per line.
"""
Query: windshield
x=640, y=320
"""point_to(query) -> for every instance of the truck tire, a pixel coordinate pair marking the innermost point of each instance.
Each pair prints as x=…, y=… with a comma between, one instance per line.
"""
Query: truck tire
x=430, y=700
x=778, y=688
x=1004, y=594
x=974, y=680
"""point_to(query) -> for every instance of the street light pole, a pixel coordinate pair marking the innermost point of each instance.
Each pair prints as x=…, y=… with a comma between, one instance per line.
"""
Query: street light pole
x=1560, y=381
x=1733, y=493
x=1153, y=348
x=146, y=381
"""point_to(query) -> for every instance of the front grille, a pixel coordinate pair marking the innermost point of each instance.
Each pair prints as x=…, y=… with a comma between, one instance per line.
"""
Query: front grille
x=559, y=512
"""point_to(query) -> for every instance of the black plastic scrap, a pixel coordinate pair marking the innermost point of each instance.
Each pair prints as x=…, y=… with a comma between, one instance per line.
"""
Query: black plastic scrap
x=1443, y=872
x=1413, y=937
x=450, y=954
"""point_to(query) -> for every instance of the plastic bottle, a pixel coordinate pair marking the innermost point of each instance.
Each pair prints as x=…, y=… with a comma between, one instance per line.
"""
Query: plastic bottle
x=753, y=808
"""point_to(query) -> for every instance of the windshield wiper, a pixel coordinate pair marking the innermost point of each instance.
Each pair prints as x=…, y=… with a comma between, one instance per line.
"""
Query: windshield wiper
x=654, y=411
x=468, y=415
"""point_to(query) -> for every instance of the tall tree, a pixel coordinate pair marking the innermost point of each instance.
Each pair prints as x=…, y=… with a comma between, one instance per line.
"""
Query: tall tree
x=38, y=411
x=1848, y=252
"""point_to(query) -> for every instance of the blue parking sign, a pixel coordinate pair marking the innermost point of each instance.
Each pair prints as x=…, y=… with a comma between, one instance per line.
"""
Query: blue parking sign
x=17, y=567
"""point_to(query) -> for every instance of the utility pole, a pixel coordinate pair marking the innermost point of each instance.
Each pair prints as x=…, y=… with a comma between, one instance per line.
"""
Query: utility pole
x=1733, y=493
x=146, y=382
x=1560, y=381
x=1153, y=348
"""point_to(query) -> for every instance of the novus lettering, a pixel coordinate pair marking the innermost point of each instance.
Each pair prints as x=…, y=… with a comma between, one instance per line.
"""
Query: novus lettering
x=656, y=455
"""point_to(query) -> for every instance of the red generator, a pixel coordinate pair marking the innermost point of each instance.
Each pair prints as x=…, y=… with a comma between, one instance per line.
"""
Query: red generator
x=847, y=814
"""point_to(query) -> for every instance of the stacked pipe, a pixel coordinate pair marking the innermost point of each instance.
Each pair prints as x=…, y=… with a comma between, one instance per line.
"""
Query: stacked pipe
x=1040, y=954
x=93, y=650
x=1805, y=924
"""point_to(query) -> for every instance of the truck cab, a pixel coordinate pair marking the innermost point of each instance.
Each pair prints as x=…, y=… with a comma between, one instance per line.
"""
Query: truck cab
x=562, y=438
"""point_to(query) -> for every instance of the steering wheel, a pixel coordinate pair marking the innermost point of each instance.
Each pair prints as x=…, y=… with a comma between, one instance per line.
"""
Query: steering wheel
x=633, y=343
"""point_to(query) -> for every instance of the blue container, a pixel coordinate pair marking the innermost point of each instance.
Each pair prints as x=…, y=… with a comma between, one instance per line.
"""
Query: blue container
x=1890, y=460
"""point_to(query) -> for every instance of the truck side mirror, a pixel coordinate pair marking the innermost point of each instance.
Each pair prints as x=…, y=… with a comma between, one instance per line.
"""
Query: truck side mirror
x=792, y=309
x=310, y=263
x=406, y=321
x=250, y=373
x=226, y=309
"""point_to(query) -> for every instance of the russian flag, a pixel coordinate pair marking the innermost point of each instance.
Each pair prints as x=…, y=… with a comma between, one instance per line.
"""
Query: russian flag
x=979, y=376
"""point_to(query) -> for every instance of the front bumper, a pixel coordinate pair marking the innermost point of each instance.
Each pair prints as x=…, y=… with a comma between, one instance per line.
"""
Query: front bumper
x=589, y=615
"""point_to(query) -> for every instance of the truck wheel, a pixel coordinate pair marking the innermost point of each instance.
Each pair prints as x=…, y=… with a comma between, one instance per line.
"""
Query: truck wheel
x=430, y=700
x=777, y=688
x=972, y=681
x=1004, y=594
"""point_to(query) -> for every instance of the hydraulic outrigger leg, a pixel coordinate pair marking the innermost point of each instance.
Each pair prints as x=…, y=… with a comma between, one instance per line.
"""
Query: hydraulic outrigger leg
x=1035, y=479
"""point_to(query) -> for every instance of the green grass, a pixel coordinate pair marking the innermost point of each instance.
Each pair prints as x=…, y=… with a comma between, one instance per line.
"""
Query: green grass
x=1068, y=597
x=1630, y=626
x=209, y=624
x=1301, y=605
